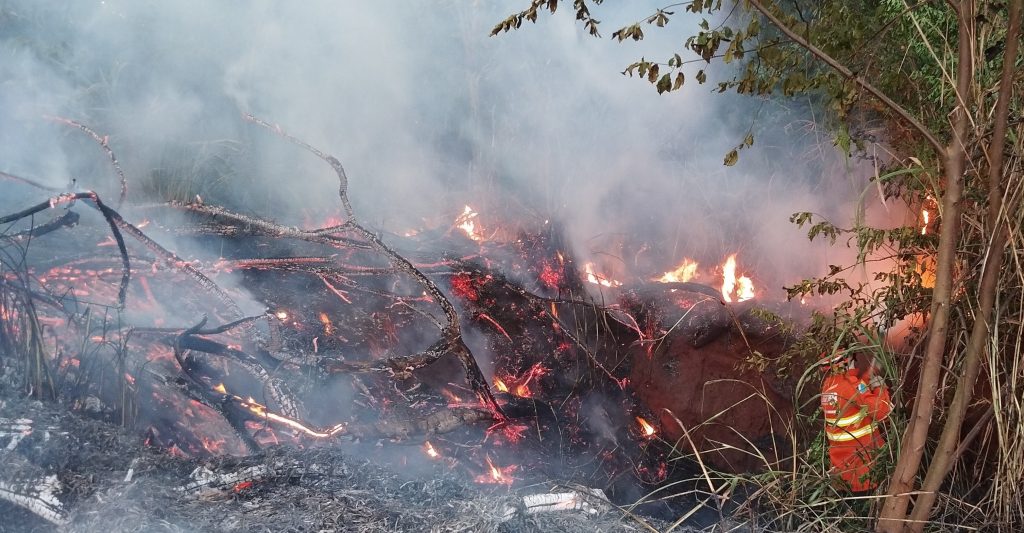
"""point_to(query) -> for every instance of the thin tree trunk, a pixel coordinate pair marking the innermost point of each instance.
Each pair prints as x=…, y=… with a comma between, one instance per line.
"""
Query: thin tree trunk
x=892, y=517
x=943, y=460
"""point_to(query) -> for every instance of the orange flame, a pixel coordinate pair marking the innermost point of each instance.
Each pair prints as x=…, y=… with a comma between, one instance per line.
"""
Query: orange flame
x=452, y=398
x=598, y=279
x=261, y=411
x=686, y=271
x=328, y=328
x=496, y=474
x=926, y=213
x=466, y=223
x=646, y=428
x=429, y=448
x=220, y=388
x=742, y=288
x=495, y=471
x=520, y=386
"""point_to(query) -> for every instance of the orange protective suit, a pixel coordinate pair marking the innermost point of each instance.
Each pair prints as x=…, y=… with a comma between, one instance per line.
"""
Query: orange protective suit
x=852, y=412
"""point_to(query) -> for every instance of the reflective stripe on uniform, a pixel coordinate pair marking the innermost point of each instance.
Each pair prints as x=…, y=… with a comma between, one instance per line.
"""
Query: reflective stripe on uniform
x=845, y=435
x=848, y=420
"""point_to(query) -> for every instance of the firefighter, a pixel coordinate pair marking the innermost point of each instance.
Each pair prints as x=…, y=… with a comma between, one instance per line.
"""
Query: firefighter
x=855, y=400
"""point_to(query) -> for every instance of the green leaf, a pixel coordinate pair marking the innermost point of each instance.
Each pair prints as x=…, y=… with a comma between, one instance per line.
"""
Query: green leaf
x=731, y=158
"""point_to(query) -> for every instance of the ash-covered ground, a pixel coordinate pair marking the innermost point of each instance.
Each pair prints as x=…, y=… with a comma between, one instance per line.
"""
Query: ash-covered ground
x=107, y=481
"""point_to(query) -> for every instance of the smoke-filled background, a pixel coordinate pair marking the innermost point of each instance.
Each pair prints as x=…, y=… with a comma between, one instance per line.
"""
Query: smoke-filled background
x=427, y=113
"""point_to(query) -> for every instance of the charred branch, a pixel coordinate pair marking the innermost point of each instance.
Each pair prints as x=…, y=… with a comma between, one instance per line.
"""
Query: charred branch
x=27, y=181
x=275, y=386
x=451, y=334
x=113, y=219
x=105, y=145
x=258, y=226
x=66, y=220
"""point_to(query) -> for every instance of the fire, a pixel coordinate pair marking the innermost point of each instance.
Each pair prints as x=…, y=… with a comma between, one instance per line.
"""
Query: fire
x=598, y=279
x=261, y=411
x=451, y=396
x=646, y=428
x=328, y=328
x=220, y=388
x=429, y=448
x=281, y=315
x=686, y=271
x=466, y=223
x=496, y=474
x=495, y=471
x=520, y=386
x=925, y=215
x=741, y=288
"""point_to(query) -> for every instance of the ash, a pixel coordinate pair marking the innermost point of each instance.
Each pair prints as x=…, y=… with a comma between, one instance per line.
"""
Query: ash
x=108, y=481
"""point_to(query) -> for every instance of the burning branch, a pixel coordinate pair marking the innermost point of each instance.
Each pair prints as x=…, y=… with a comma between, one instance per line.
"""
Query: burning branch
x=451, y=334
x=113, y=219
x=277, y=389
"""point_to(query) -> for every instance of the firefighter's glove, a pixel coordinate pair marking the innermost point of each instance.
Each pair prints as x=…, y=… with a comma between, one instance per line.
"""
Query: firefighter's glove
x=876, y=382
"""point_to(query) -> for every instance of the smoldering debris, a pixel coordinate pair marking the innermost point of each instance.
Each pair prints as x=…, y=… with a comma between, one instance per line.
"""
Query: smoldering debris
x=108, y=482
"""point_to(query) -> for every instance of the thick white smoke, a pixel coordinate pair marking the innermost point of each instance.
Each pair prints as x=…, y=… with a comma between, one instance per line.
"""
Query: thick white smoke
x=427, y=112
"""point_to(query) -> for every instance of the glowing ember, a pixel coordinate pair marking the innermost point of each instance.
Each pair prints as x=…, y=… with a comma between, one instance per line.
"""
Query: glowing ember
x=598, y=279
x=429, y=448
x=550, y=276
x=646, y=428
x=328, y=328
x=741, y=288
x=452, y=398
x=466, y=223
x=500, y=385
x=686, y=271
x=281, y=315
